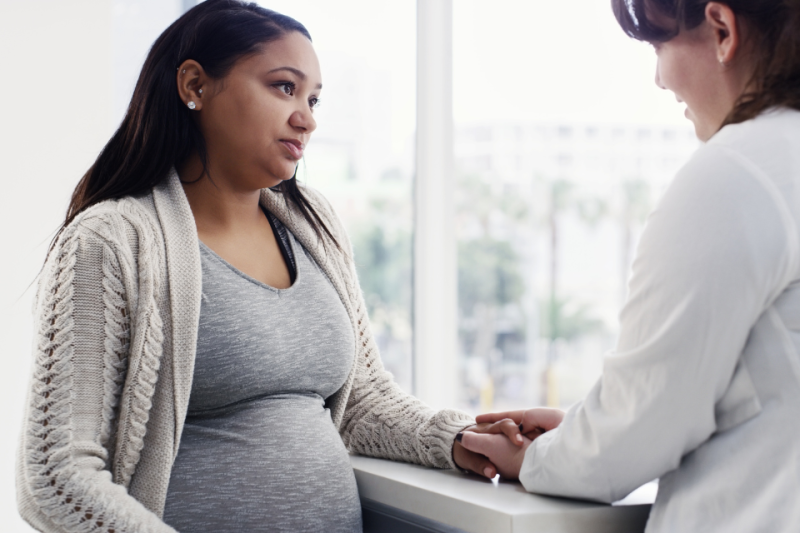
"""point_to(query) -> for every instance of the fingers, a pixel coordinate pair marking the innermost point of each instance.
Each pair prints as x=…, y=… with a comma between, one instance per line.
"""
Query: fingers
x=541, y=419
x=482, y=466
x=490, y=445
x=504, y=455
x=506, y=426
x=516, y=416
x=534, y=434
x=473, y=462
x=532, y=422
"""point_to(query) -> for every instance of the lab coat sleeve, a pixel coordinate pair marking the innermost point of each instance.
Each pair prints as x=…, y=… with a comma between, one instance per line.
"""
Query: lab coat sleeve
x=715, y=253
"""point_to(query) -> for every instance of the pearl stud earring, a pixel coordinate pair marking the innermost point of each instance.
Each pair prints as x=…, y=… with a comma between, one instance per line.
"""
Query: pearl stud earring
x=200, y=91
x=191, y=104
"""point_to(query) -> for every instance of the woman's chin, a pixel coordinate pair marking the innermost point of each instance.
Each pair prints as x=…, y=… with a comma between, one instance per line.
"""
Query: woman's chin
x=273, y=179
x=271, y=183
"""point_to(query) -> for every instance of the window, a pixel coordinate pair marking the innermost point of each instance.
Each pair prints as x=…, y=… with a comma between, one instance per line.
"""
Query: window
x=545, y=247
x=362, y=154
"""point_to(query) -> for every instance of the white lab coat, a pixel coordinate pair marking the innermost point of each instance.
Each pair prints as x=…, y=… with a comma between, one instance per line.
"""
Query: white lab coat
x=703, y=389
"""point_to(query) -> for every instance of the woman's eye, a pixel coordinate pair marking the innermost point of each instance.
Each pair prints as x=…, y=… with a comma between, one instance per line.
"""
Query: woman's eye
x=286, y=88
x=313, y=103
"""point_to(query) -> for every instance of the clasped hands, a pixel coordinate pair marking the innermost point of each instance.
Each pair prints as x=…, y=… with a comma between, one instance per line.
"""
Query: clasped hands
x=496, y=444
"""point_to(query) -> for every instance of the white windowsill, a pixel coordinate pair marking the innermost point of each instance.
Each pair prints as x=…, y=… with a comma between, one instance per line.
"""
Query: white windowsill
x=476, y=505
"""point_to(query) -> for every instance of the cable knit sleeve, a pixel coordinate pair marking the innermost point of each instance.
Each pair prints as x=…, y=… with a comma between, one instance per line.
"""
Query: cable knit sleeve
x=82, y=339
x=380, y=419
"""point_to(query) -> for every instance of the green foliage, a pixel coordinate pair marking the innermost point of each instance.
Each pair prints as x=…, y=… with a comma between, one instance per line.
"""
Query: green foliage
x=384, y=264
x=383, y=254
x=592, y=210
x=488, y=274
x=562, y=320
x=476, y=199
x=561, y=195
x=636, y=195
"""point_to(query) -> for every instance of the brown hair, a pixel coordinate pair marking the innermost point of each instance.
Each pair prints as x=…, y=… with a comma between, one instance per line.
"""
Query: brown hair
x=775, y=26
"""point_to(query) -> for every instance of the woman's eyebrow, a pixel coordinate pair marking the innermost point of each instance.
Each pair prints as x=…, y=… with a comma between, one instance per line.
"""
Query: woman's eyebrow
x=299, y=73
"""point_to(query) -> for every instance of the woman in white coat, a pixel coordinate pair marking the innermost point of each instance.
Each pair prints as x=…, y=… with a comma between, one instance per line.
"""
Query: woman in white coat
x=703, y=388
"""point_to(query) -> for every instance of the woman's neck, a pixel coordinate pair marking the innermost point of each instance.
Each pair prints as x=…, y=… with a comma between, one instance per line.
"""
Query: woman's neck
x=219, y=206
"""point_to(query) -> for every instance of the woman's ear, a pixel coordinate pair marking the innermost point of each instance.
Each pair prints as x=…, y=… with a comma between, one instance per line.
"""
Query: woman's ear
x=727, y=36
x=192, y=84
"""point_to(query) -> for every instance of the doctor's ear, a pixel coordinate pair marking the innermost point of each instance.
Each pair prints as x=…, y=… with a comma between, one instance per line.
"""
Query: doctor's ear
x=727, y=33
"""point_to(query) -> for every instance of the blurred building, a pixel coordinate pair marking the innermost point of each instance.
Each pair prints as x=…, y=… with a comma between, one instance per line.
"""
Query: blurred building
x=581, y=194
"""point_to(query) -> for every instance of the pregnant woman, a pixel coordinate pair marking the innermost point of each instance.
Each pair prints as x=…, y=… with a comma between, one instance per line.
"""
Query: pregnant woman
x=703, y=388
x=203, y=358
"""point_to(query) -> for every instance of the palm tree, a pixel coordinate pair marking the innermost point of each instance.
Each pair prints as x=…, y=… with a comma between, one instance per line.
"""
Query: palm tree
x=489, y=276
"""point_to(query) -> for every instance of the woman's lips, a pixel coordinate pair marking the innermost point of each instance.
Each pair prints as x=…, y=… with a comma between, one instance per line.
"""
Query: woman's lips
x=295, y=148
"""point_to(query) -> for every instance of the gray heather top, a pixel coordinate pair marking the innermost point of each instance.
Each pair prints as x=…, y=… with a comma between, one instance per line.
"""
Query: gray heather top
x=116, y=317
x=259, y=451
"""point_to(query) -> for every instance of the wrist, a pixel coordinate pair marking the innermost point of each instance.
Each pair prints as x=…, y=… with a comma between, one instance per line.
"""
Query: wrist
x=456, y=440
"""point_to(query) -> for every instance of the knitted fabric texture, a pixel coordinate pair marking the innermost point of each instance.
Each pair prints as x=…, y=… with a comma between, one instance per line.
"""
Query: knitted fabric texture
x=116, y=328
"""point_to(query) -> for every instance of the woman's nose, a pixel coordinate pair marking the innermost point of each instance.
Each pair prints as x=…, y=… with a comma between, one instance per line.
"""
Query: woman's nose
x=303, y=120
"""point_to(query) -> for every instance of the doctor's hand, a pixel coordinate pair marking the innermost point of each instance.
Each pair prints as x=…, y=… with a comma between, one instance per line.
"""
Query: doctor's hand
x=476, y=462
x=532, y=422
x=499, y=449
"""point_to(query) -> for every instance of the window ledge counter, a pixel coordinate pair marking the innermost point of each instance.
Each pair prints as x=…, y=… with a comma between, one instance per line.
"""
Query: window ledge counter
x=405, y=498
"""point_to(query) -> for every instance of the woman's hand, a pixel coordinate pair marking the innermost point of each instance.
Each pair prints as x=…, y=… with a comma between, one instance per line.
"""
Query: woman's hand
x=531, y=422
x=501, y=439
x=499, y=449
x=505, y=428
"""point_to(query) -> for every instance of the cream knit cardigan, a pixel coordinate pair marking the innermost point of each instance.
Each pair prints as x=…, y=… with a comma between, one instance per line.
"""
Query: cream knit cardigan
x=116, y=318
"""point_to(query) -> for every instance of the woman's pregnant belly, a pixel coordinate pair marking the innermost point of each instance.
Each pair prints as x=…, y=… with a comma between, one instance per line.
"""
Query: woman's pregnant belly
x=271, y=464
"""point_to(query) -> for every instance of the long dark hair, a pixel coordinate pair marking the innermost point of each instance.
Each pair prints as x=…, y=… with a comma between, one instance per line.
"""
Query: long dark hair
x=775, y=39
x=158, y=132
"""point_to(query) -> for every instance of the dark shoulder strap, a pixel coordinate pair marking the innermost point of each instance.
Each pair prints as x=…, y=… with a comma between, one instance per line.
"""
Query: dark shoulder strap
x=282, y=236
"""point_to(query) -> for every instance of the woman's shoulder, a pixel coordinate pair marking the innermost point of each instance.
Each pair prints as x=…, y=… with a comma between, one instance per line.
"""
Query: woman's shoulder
x=773, y=122
x=761, y=149
x=110, y=232
x=325, y=210
x=771, y=137
x=116, y=221
x=742, y=182
x=317, y=200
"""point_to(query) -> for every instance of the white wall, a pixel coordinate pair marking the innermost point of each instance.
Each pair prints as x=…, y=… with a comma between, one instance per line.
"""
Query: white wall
x=55, y=97
x=61, y=65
